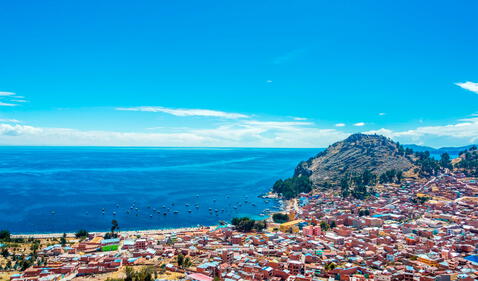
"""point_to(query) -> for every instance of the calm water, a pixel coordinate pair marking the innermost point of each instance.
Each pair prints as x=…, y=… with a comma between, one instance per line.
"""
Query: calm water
x=65, y=189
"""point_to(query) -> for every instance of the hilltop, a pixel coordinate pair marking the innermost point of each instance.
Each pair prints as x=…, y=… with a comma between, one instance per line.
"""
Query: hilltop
x=354, y=155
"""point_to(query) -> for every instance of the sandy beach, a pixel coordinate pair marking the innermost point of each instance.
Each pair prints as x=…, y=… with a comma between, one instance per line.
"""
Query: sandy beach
x=124, y=233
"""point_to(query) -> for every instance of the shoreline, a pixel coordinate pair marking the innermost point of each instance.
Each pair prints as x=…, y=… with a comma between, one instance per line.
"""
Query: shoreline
x=127, y=232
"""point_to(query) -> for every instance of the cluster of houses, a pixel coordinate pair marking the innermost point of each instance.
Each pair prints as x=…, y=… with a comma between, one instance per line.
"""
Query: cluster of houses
x=413, y=231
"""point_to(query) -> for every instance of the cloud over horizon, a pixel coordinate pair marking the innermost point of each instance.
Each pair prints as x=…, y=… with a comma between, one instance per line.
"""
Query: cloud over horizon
x=237, y=133
x=242, y=134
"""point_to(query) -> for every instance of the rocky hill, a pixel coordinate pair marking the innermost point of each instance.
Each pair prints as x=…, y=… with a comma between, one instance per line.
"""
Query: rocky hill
x=354, y=155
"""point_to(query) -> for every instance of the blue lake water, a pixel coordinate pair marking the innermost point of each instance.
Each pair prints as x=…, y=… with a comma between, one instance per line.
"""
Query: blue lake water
x=64, y=189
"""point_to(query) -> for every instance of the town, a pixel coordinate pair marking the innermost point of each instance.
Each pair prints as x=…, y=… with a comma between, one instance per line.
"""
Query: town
x=421, y=229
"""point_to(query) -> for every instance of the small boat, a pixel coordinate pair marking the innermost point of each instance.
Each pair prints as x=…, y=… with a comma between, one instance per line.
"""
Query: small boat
x=164, y=214
x=114, y=213
x=189, y=211
x=176, y=212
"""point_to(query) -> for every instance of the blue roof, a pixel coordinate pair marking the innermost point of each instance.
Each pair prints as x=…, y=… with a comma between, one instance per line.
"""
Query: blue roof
x=109, y=241
x=473, y=258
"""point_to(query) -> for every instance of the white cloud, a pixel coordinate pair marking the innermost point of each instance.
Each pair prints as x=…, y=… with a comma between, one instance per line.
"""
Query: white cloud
x=381, y=114
x=17, y=130
x=299, y=118
x=268, y=81
x=10, y=120
x=340, y=125
x=359, y=124
x=186, y=112
x=470, y=86
x=7, y=104
x=464, y=131
x=10, y=99
x=4, y=94
x=235, y=134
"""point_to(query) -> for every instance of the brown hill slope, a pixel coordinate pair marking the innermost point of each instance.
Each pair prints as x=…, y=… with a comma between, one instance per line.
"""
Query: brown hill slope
x=357, y=153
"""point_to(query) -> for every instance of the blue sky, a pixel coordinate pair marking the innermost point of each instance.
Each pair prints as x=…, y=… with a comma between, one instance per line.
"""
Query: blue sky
x=237, y=73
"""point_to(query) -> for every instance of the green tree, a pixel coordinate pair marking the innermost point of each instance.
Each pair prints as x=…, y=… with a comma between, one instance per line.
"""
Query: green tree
x=5, y=235
x=180, y=260
x=345, y=186
x=81, y=233
x=280, y=218
x=187, y=262
x=244, y=224
x=399, y=176
x=330, y=266
x=129, y=271
x=5, y=253
x=114, y=227
x=259, y=226
x=445, y=161
x=63, y=240
x=292, y=187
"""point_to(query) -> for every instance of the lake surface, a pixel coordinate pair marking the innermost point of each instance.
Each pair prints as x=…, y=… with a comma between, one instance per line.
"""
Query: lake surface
x=64, y=189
